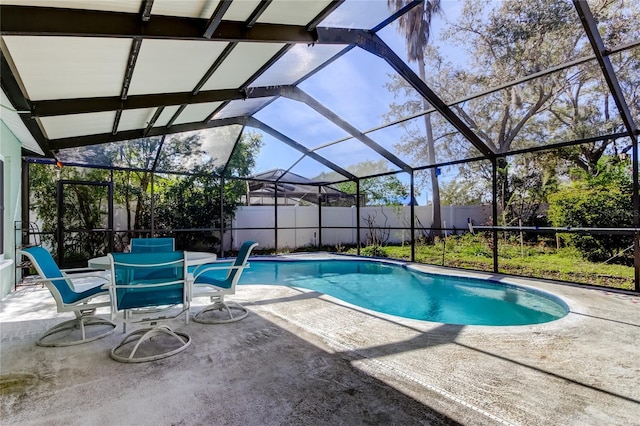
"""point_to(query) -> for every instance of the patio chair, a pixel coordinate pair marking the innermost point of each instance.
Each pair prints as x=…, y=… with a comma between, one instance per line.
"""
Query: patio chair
x=207, y=281
x=147, y=289
x=152, y=245
x=72, y=290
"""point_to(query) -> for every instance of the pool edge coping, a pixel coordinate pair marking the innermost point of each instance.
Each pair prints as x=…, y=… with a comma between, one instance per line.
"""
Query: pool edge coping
x=577, y=311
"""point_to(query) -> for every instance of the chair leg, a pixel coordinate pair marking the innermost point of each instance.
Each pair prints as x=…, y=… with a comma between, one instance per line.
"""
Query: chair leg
x=221, y=312
x=139, y=337
x=81, y=323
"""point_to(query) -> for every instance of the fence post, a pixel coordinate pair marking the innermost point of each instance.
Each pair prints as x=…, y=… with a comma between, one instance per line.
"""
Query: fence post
x=413, y=220
x=275, y=216
x=358, y=215
x=319, y=241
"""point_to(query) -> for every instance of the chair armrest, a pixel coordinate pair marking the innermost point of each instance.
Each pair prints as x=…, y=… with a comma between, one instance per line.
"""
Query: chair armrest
x=79, y=270
x=219, y=262
x=72, y=277
x=204, y=268
x=106, y=276
x=138, y=284
x=78, y=286
x=85, y=280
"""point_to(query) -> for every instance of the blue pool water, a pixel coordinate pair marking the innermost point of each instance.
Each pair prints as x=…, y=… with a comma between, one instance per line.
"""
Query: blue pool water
x=396, y=290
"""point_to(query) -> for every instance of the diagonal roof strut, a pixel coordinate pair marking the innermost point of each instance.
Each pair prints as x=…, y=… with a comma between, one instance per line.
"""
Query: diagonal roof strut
x=216, y=17
x=301, y=96
x=372, y=43
x=591, y=29
x=253, y=122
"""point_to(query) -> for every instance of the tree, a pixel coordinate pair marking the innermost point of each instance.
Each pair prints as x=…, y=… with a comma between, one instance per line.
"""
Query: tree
x=182, y=202
x=460, y=193
x=83, y=207
x=511, y=40
x=508, y=42
x=416, y=26
x=587, y=109
x=381, y=190
x=132, y=185
x=534, y=177
x=193, y=201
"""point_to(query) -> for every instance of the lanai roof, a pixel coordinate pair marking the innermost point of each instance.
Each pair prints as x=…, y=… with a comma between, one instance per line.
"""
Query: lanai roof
x=86, y=77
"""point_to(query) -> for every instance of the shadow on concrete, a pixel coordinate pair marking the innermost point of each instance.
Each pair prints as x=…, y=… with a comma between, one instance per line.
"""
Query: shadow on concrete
x=551, y=373
x=253, y=372
x=605, y=319
x=447, y=334
x=441, y=335
x=299, y=297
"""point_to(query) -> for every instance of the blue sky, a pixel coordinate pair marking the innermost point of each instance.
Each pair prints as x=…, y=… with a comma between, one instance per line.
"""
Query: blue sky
x=353, y=87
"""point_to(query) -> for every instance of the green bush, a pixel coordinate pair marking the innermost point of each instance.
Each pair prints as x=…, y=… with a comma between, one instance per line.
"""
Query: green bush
x=374, y=251
x=472, y=245
x=602, y=201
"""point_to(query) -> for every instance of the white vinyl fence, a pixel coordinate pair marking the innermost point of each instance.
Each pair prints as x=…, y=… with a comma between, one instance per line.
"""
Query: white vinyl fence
x=298, y=226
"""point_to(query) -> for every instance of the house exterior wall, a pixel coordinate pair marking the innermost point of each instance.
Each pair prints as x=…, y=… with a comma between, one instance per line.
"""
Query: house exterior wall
x=11, y=153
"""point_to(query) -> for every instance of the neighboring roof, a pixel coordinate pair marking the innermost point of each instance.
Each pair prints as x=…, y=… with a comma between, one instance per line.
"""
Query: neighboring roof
x=281, y=175
x=88, y=76
x=291, y=185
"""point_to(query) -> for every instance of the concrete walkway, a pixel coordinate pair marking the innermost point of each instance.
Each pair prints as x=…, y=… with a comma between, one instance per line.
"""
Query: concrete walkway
x=302, y=358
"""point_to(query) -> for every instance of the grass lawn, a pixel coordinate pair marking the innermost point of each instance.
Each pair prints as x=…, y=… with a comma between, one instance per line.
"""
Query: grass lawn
x=532, y=260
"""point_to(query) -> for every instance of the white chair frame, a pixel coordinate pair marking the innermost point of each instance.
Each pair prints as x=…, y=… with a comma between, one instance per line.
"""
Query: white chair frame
x=140, y=336
x=83, y=309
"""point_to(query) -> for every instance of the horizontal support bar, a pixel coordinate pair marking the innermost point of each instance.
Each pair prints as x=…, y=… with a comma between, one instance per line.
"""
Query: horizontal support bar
x=569, y=229
x=51, y=21
x=111, y=103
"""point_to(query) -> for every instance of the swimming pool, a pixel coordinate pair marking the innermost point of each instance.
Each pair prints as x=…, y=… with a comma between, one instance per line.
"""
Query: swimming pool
x=394, y=289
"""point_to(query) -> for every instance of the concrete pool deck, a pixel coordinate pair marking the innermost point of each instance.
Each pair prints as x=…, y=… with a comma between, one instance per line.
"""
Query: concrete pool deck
x=301, y=357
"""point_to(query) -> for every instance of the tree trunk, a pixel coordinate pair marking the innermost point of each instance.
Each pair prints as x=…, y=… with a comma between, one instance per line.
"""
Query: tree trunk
x=503, y=187
x=431, y=153
x=144, y=184
x=127, y=186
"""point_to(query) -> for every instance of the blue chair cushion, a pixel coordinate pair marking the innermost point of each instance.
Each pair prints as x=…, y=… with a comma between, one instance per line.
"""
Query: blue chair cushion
x=129, y=298
x=75, y=297
x=152, y=245
x=216, y=278
x=224, y=278
x=50, y=270
x=140, y=271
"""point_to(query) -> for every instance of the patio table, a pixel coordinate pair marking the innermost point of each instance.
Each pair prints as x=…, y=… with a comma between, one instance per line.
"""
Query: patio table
x=194, y=258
